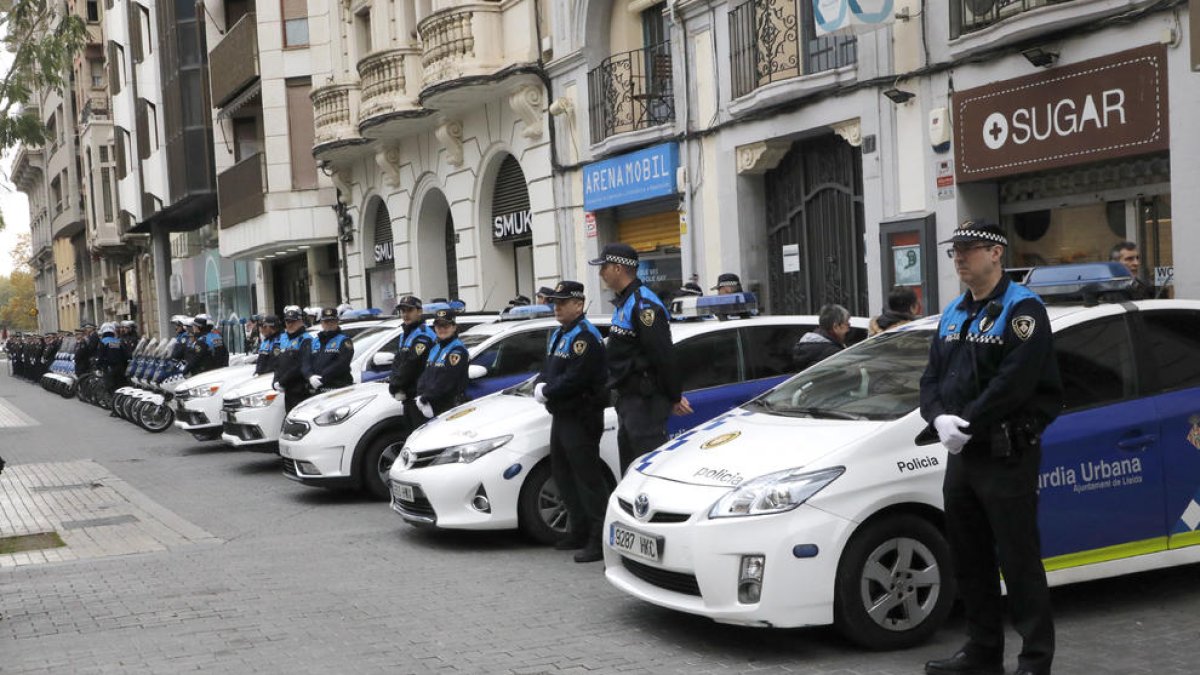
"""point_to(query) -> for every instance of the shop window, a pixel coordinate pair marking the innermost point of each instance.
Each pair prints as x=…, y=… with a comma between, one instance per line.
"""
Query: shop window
x=1174, y=345
x=1070, y=234
x=709, y=360
x=1095, y=361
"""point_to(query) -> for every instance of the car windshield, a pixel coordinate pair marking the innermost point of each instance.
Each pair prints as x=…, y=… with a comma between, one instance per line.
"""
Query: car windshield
x=370, y=338
x=523, y=389
x=879, y=379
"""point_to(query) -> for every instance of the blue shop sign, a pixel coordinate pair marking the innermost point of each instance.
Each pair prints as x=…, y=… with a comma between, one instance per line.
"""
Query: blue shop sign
x=635, y=177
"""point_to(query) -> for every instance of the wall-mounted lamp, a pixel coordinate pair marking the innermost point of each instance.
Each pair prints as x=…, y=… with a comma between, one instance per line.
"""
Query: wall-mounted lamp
x=1039, y=57
x=899, y=96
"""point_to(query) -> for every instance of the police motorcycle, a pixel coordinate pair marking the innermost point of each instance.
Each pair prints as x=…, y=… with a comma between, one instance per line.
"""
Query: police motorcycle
x=60, y=378
x=153, y=411
x=139, y=364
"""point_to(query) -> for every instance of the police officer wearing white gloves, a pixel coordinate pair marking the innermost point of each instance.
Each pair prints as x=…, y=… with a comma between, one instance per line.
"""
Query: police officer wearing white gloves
x=990, y=388
x=412, y=352
x=572, y=386
x=294, y=350
x=443, y=383
x=328, y=365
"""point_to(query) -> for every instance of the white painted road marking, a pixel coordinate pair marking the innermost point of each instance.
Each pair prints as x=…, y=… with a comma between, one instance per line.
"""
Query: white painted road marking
x=11, y=416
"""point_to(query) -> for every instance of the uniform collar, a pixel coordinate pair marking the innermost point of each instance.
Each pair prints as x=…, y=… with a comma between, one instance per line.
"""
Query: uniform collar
x=566, y=328
x=415, y=325
x=1000, y=289
x=628, y=291
x=448, y=340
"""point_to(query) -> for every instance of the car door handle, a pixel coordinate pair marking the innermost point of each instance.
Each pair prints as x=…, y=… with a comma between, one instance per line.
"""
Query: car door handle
x=1137, y=443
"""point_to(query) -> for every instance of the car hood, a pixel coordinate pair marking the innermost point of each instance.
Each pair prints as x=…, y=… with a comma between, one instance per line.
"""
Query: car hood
x=217, y=376
x=255, y=385
x=488, y=417
x=742, y=445
x=311, y=407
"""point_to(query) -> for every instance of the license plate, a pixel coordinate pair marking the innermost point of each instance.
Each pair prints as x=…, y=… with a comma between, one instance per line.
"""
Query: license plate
x=403, y=493
x=640, y=544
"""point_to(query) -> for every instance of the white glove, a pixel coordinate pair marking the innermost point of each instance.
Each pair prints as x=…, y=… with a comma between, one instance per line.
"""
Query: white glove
x=315, y=381
x=949, y=429
x=276, y=386
x=424, y=407
x=538, y=394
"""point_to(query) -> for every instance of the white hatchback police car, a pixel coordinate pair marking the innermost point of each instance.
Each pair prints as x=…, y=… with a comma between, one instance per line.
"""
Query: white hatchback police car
x=815, y=503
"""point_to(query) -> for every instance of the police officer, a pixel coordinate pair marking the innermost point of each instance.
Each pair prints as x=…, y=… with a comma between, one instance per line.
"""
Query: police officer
x=289, y=364
x=727, y=284
x=49, y=352
x=328, y=365
x=129, y=337
x=641, y=357
x=443, y=383
x=182, y=340
x=412, y=352
x=572, y=385
x=268, y=344
x=991, y=386
x=85, y=349
x=111, y=358
x=208, y=351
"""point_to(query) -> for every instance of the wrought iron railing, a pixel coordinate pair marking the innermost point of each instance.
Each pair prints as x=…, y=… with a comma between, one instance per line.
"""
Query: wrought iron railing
x=631, y=91
x=774, y=40
x=968, y=16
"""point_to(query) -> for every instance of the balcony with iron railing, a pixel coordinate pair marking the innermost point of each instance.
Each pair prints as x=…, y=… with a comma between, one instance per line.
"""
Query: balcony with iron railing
x=775, y=40
x=335, y=120
x=241, y=191
x=631, y=91
x=233, y=62
x=969, y=16
x=464, y=41
x=390, y=82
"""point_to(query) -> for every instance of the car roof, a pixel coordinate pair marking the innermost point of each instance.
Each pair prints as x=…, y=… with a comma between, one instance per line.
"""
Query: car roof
x=499, y=327
x=681, y=330
x=1074, y=313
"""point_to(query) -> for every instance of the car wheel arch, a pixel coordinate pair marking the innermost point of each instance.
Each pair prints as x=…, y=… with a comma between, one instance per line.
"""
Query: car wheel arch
x=360, y=450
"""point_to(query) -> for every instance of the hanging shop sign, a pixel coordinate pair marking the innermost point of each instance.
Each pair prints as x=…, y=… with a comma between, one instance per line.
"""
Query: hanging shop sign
x=851, y=16
x=637, y=176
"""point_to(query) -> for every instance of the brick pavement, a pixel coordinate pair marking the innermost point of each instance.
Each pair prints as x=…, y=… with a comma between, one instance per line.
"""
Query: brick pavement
x=299, y=580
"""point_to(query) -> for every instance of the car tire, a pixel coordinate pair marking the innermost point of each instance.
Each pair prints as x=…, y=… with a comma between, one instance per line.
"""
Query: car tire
x=895, y=583
x=540, y=510
x=378, y=460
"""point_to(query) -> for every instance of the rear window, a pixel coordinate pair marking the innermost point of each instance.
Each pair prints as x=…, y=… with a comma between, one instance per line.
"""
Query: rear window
x=1095, y=361
x=1174, y=347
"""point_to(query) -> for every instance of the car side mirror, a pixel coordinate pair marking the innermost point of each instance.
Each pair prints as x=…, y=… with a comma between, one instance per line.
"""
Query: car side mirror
x=927, y=436
x=476, y=371
x=383, y=359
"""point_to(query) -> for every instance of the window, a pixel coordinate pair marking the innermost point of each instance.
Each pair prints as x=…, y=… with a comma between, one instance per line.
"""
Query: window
x=1095, y=361
x=362, y=23
x=709, y=360
x=106, y=193
x=93, y=11
x=96, y=70
x=523, y=352
x=245, y=138
x=301, y=136
x=295, y=23
x=1174, y=337
x=769, y=349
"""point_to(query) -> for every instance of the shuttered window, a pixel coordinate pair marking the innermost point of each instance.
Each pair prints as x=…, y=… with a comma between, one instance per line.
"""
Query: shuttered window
x=649, y=232
x=510, y=204
x=383, y=254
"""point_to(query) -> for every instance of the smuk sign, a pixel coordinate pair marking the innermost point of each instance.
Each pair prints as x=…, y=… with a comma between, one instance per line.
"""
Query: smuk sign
x=1115, y=106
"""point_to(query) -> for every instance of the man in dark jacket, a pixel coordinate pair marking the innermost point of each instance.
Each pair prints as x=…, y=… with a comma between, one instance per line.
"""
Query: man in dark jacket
x=902, y=308
x=412, y=352
x=833, y=324
x=289, y=363
x=267, y=344
x=443, y=384
x=208, y=352
x=328, y=365
x=85, y=349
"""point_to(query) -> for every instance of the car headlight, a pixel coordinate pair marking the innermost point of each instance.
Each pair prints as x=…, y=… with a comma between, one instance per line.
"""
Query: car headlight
x=202, y=391
x=469, y=452
x=260, y=400
x=774, y=493
x=342, y=412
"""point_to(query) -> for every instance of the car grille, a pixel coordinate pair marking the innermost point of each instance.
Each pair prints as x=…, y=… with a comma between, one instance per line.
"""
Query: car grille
x=420, y=506
x=192, y=417
x=230, y=405
x=658, y=517
x=289, y=467
x=294, y=431
x=676, y=582
x=245, y=432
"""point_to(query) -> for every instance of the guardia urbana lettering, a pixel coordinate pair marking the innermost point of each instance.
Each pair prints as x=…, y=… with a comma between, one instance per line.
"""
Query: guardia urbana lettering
x=1128, y=469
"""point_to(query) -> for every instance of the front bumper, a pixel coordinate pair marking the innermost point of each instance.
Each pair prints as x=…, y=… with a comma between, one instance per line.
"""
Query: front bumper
x=318, y=454
x=198, y=414
x=445, y=494
x=242, y=427
x=700, y=559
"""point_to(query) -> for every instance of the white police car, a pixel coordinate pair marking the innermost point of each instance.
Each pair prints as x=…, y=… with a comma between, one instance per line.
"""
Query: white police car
x=342, y=438
x=815, y=503
x=485, y=464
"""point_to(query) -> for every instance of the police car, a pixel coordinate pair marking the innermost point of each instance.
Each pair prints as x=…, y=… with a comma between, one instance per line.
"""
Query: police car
x=817, y=503
x=339, y=439
x=485, y=464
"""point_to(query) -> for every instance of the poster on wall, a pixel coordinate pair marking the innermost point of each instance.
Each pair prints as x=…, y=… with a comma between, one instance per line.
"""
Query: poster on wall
x=906, y=261
x=791, y=257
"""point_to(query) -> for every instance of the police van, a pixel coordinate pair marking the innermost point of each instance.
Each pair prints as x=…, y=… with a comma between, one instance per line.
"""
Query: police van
x=820, y=502
x=485, y=465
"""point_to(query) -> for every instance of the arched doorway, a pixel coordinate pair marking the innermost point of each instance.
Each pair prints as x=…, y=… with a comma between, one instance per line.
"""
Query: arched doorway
x=436, y=257
x=508, y=262
x=380, y=258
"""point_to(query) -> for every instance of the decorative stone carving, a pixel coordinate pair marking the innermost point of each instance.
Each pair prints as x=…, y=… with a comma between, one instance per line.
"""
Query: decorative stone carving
x=850, y=131
x=449, y=134
x=340, y=182
x=760, y=157
x=388, y=159
x=564, y=107
x=526, y=102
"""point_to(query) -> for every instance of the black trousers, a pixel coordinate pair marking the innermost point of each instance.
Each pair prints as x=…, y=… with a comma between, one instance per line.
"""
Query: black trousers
x=413, y=417
x=578, y=470
x=294, y=397
x=641, y=425
x=991, y=517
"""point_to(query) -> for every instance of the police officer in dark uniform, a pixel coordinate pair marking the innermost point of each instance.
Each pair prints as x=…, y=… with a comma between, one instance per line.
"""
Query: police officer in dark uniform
x=727, y=284
x=289, y=363
x=412, y=352
x=641, y=357
x=328, y=365
x=443, y=383
x=110, y=358
x=182, y=340
x=85, y=349
x=268, y=344
x=572, y=385
x=208, y=352
x=991, y=386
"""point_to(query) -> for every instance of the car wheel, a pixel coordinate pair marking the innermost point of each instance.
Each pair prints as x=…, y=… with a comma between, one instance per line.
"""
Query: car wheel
x=540, y=508
x=378, y=460
x=156, y=418
x=895, y=583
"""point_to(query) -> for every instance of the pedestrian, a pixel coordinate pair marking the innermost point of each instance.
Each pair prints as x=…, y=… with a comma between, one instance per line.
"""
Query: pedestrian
x=443, y=383
x=328, y=365
x=572, y=386
x=294, y=352
x=829, y=338
x=415, y=342
x=728, y=284
x=902, y=307
x=253, y=335
x=208, y=351
x=991, y=386
x=641, y=357
x=1126, y=253
x=268, y=344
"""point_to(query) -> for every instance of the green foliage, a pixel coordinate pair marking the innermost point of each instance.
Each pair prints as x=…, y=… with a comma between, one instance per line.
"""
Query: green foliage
x=43, y=39
x=18, y=297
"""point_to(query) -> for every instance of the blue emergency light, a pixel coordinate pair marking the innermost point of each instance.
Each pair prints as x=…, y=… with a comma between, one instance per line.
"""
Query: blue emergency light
x=527, y=312
x=1081, y=282
x=720, y=306
x=369, y=313
x=432, y=307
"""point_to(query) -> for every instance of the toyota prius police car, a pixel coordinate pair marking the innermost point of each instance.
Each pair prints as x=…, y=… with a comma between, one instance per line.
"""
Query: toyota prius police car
x=485, y=464
x=816, y=503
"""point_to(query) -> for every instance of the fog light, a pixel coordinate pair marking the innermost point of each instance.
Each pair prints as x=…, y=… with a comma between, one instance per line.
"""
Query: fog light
x=480, y=501
x=750, y=578
x=307, y=469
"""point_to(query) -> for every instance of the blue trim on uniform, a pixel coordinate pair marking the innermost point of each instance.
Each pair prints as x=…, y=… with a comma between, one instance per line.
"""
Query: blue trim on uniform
x=951, y=324
x=334, y=344
x=437, y=355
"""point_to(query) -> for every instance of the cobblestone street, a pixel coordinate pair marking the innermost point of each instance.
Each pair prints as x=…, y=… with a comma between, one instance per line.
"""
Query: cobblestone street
x=183, y=555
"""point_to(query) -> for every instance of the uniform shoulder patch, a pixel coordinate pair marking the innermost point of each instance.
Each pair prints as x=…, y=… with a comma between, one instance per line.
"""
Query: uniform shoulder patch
x=1023, y=326
x=419, y=348
x=454, y=359
x=647, y=316
x=579, y=347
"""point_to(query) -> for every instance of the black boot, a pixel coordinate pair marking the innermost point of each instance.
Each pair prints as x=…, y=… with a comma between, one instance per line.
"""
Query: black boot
x=967, y=663
x=593, y=550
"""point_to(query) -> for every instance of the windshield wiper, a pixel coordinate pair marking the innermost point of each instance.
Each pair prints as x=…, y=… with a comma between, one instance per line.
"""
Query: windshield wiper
x=825, y=413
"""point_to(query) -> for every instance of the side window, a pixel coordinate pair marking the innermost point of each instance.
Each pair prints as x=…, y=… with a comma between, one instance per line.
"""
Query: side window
x=709, y=360
x=1174, y=346
x=1095, y=361
x=521, y=352
x=769, y=349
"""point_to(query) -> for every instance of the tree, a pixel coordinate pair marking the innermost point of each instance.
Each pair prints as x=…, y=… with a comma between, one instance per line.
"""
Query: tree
x=18, y=311
x=21, y=252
